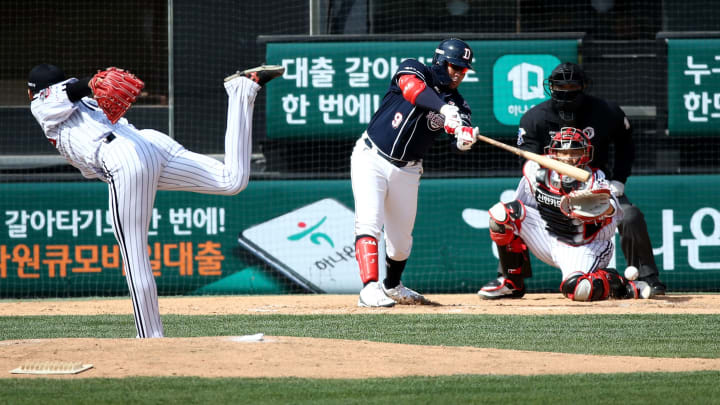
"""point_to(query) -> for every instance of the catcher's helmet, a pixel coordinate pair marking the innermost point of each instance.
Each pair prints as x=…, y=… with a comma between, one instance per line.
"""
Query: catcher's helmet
x=566, y=85
x=455, y=51
x=571, y=140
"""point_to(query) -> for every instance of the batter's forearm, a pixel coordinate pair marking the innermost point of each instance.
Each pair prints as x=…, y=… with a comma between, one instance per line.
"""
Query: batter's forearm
x=429, y=100
x=418, y=93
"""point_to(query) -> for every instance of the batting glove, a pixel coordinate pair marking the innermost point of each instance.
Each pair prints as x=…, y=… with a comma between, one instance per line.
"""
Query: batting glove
x=452, y=118
x=466, y=137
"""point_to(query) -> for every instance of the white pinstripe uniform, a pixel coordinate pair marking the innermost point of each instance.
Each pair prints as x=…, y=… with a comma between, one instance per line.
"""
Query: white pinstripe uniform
x=137, y=163
x=584, y=257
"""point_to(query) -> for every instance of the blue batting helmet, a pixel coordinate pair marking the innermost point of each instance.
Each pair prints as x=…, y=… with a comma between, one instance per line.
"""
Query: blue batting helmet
x=455, y=51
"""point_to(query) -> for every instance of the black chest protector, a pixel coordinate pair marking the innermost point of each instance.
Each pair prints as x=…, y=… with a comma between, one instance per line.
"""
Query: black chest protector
x=549, y=190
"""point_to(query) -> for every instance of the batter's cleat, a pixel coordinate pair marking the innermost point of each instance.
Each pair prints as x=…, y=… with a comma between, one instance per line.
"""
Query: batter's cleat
x=373, y=296
x=260, y=75
x=405, y=296
x=658, y=288
x=639, y=290
x=501, y=288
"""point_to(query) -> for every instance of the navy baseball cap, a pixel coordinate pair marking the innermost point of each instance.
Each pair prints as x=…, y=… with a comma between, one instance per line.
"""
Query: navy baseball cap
x=44, y=75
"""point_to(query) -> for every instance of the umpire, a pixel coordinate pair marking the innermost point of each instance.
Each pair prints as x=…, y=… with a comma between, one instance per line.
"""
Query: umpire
x=606, y=124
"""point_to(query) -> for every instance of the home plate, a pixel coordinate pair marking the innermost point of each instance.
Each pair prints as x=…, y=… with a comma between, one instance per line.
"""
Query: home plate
x=258, y=337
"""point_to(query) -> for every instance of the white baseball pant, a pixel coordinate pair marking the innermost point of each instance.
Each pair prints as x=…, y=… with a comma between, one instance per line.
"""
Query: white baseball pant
x=385, y=196
x=138, y=163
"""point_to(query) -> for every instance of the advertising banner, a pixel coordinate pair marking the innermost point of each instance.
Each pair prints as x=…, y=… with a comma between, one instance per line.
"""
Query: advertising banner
x=327, y=263
x=332, y=89
x=297, y=236
x=693, y=86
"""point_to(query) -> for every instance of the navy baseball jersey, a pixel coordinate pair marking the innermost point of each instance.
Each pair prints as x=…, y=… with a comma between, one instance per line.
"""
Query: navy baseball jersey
x=404, y=131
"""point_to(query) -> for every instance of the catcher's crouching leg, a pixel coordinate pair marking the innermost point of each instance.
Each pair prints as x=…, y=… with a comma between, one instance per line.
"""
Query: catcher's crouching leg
x=602, y=284
x=514, y=265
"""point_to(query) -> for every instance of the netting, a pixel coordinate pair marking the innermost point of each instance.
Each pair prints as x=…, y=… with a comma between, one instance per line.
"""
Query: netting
x=658, y=60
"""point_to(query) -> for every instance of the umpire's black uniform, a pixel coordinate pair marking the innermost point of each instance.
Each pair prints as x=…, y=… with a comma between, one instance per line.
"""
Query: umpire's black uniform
x=606, y=124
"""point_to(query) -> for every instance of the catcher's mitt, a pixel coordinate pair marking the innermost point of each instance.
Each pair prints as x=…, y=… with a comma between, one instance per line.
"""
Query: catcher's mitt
x=586, y=205
x=115, y=90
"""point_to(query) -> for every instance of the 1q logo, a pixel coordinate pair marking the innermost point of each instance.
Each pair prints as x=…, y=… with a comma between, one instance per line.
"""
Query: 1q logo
x=518, y=84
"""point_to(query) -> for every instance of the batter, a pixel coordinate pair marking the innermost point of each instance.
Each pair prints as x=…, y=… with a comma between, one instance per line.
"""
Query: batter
x=386, y=164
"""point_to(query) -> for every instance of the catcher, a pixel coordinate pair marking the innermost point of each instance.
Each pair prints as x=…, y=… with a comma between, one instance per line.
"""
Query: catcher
x=83, y=119
x=563, y=222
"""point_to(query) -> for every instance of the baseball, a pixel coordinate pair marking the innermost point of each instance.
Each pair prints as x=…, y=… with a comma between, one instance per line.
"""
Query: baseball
x=631, y=273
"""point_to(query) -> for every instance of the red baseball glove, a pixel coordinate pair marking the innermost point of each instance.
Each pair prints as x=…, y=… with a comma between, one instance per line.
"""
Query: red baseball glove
x=115, y=90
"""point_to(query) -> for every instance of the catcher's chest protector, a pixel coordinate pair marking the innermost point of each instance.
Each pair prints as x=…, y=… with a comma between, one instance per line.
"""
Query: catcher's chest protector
x=548, y=194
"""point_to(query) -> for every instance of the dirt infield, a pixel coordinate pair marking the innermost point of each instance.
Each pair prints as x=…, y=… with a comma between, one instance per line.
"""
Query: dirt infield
x=277, y=356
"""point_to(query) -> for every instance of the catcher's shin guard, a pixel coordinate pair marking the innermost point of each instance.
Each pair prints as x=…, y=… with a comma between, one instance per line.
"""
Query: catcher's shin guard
x=366, y=253
x=512, y=251
x=514, y=260
x=597, y=285
x=503, y=219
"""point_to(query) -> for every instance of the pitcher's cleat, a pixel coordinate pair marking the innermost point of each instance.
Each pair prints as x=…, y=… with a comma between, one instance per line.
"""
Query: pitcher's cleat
x=260, y=75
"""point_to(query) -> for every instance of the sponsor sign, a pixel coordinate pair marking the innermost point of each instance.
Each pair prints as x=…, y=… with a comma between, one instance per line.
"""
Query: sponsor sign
x=64, y=246
x=314, y=246
x=332, y=89
x=693, y=86
x=518, y=84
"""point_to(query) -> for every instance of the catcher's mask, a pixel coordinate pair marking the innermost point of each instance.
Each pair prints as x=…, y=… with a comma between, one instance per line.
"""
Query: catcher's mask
x=571, y=146
x=565, y=87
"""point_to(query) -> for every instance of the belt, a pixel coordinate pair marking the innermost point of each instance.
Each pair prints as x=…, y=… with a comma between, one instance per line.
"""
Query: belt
x=392, y=160
x=111, y=137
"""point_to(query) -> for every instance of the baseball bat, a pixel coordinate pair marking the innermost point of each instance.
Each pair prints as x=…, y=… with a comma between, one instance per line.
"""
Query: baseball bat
x=560, y=167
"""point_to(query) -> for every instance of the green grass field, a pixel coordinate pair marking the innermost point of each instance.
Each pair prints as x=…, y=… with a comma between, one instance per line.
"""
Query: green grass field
x=638, y=335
